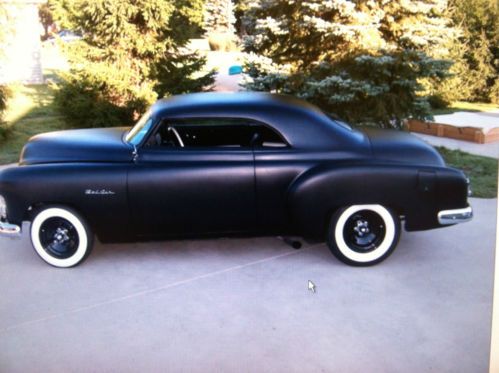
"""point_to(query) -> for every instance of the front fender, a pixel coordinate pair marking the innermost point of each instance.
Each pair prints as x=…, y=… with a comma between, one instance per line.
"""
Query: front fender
x=68, y=184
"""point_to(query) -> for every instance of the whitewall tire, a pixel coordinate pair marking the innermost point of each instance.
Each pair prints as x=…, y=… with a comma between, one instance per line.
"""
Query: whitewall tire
x=363, y=235
x=61, y=236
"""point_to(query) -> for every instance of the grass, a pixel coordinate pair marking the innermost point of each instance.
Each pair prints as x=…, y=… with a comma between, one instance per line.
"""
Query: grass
x=30, y=111
x=465, y=106
x=482, y=171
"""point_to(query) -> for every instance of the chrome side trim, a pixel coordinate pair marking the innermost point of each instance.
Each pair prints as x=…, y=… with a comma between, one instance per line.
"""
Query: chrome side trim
x=447, y=217
x=9, y=230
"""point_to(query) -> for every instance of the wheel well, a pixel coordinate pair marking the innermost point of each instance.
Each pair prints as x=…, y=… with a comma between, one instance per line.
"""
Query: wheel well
x=33, y=209
x=327, y=218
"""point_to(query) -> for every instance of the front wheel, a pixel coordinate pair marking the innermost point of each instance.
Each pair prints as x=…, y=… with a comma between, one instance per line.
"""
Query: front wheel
x=363, y=235
x=61, y=237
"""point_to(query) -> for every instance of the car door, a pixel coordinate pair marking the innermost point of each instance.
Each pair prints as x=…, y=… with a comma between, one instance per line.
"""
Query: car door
x=276, y=166
x=205, y=186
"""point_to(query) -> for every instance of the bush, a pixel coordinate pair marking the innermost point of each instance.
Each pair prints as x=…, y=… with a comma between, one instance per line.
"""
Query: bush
x=87, y=99
x=224, y=42
x=438, y=102
x=494, y=93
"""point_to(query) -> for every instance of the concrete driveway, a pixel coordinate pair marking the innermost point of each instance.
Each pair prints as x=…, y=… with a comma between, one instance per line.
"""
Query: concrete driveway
x=243, y=305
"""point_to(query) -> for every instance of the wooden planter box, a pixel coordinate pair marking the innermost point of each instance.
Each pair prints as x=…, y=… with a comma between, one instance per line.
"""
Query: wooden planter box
x=473, y=134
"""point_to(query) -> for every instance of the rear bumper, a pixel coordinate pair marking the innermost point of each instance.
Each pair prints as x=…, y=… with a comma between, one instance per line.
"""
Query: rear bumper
x=447, y=217
x=9, y=230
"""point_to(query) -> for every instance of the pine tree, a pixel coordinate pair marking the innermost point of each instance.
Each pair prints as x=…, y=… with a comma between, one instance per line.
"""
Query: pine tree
x=365, y=60
x=219, y=16
x=129, y=52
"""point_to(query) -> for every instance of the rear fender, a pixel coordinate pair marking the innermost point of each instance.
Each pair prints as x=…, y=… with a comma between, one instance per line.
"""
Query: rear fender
x=316, y=194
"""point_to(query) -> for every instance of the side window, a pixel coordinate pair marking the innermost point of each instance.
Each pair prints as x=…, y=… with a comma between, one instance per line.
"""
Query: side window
x=268, y=138
x=214, y=132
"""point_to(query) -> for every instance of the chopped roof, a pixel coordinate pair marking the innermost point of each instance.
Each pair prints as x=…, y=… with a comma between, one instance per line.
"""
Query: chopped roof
x=229, y=99
x=301, y=123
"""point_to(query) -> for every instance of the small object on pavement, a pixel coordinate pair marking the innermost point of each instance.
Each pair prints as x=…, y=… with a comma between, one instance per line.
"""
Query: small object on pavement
x=236, y=69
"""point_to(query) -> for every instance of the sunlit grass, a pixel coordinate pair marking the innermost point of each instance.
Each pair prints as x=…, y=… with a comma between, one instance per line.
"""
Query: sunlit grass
x=30, y=111
x=466, y=106
x=482, y=171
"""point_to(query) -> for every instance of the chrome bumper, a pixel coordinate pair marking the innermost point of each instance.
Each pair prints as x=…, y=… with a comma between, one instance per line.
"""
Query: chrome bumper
x=9, y=230
x=455, y=216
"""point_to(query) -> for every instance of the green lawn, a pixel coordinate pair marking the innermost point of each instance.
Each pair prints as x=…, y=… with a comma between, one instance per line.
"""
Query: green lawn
x=482, y=171
x=29, y=111
x=465, y=106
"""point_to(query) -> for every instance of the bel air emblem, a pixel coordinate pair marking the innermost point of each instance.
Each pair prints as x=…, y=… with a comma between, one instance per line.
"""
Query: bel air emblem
x=100, y=192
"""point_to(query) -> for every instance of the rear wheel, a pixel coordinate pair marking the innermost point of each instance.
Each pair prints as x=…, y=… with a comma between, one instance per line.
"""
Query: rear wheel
x=61, y=236
x=363, y=235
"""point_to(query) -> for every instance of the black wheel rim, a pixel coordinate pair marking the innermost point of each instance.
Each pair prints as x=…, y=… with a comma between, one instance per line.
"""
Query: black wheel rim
x=59, y=237
x=364, y=231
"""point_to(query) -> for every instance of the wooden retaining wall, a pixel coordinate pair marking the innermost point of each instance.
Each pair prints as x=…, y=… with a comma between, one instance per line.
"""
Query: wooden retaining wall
x=473, y=134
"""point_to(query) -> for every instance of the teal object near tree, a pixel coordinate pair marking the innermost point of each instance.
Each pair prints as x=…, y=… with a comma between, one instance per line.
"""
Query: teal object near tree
x=236, y=69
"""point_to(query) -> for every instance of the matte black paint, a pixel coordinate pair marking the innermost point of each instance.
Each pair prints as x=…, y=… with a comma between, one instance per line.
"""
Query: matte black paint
x=82, y=145
x=193, y=192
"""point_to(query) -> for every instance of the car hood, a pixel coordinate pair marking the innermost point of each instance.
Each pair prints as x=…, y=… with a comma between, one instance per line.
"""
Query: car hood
x=399, y=146
x=83, y=145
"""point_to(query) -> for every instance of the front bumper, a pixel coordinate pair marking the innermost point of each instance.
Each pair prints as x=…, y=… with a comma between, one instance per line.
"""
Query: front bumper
x=447, y=217
x=9, y=230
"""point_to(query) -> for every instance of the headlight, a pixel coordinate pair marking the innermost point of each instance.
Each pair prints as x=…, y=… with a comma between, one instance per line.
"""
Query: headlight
x=3, y=208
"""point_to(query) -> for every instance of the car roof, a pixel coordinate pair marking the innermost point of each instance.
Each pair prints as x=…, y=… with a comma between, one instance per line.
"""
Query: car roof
x=299, y=122
x=228, y=100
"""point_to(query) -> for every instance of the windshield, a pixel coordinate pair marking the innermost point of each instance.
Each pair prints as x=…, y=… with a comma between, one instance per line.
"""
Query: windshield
x=141, y=128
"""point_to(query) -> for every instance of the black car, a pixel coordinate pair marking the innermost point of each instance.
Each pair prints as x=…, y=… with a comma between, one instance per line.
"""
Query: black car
x=229, y=164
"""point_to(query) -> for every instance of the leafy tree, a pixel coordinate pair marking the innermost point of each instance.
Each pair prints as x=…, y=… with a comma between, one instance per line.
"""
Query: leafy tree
x=131, y=51
x=365, y=60
x=5, y=29
x=46, y=19
x=479, y=44
x=63, y=13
